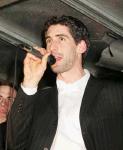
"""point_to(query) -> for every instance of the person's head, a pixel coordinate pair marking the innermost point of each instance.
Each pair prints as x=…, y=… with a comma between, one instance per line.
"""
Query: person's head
x=7, y=96
x=67, y=37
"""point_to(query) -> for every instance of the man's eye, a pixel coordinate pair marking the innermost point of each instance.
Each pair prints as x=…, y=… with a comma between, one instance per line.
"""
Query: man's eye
x=61, y=38
x=10, y=98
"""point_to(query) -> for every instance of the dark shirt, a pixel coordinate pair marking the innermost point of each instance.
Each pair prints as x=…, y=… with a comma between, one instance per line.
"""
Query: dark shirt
x=2, y=135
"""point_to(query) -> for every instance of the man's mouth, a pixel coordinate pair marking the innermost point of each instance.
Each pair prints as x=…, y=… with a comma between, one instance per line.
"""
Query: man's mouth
x=58, y=58
x=3, y=110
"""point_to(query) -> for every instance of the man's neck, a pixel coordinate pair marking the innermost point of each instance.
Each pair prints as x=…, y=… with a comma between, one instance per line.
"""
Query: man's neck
x=70, y=77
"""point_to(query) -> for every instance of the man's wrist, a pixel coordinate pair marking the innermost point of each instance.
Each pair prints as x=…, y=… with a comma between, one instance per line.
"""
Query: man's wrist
x=30, y=90
x=29, y=84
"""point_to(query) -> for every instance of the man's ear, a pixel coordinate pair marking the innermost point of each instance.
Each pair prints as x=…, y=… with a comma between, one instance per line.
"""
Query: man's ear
x=82, y=47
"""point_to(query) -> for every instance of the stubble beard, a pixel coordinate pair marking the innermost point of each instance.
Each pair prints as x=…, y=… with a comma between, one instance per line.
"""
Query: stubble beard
x=62, y=67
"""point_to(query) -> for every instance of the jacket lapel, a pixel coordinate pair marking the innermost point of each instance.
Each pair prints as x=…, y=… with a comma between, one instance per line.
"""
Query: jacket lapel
x=92, y=89
x=54, y=99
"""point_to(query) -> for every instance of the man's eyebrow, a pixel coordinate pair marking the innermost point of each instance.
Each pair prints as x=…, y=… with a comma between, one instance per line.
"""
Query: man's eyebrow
x=62, y=35
x=57, y=35
x=47, y=37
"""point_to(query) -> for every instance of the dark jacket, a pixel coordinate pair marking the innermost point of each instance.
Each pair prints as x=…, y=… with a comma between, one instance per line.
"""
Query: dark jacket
x=2, y=135
x=33, y=119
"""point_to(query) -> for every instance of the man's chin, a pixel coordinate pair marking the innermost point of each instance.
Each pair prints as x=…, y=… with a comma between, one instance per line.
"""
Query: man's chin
x=2, y=118
x=56, y=71
x=3, y=113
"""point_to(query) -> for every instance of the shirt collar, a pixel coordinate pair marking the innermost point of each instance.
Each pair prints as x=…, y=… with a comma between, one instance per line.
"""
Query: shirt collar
x=77, y=85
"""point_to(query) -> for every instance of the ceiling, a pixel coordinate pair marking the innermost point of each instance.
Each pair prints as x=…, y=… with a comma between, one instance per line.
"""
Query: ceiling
x=21, y=21
x=7, y=2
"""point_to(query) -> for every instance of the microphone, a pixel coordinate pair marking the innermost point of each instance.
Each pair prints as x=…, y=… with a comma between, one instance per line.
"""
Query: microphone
x=33, y=51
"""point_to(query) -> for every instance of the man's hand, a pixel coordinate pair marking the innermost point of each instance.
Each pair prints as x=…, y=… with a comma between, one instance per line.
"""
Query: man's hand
x=34, y=68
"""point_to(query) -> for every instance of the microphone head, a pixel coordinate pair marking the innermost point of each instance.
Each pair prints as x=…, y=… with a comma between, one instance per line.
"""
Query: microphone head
x=51, y=60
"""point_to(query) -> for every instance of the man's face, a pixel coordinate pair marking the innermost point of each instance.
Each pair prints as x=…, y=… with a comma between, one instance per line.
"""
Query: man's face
x=6, y=98
x=62, y=45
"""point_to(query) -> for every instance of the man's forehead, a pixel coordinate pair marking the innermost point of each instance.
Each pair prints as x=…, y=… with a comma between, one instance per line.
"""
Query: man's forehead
x=5, y=90
x=57, y=29
x=4, y=87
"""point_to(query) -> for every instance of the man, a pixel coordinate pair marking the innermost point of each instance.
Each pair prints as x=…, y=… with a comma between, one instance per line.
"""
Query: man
x=80, y=112
x=7, y=95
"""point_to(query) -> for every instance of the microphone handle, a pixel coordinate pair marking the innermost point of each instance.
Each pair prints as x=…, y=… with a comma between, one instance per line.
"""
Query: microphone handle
x=33, y=51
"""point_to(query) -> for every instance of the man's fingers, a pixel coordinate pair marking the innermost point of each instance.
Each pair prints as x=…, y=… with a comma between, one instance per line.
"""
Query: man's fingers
x=41, y=50
x=45, y=58
x=29, y=57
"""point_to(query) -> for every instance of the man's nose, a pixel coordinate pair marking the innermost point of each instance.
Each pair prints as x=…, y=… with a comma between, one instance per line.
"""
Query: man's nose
x=53, y=46
x=3, y=102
